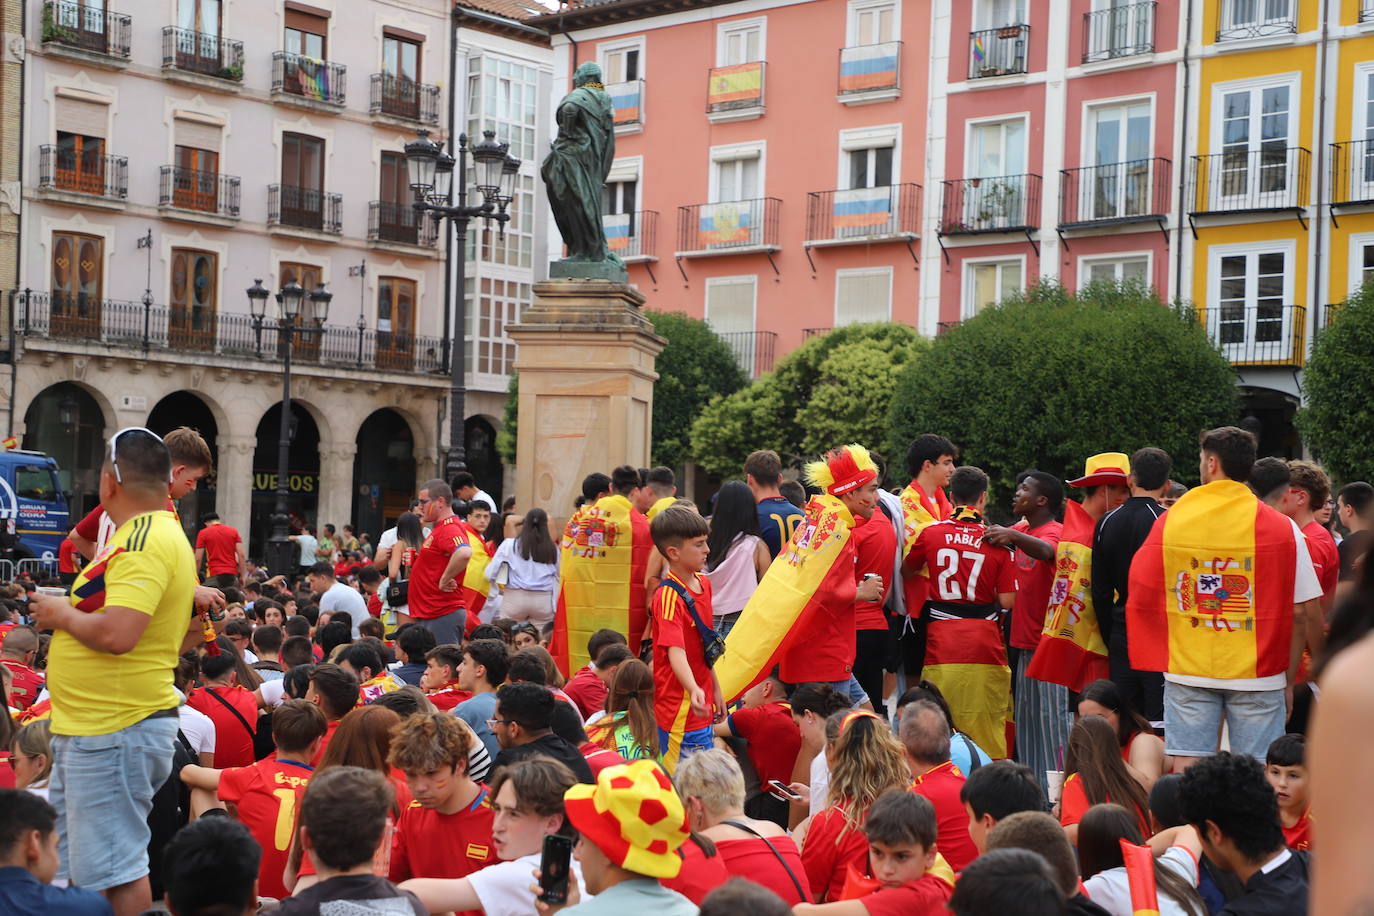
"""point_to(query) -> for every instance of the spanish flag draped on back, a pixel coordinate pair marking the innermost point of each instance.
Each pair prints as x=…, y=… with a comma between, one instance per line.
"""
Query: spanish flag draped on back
x=605, y=550
x=475, y=588
x=918, y=511
x=1072, y=652
x=1211, y=589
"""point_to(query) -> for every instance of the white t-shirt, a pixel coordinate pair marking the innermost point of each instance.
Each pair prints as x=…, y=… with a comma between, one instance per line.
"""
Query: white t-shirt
x=339, y=597
x=504, y=888
x=820, y=782
x=387, y=540
x=1305, y=588
x=308, y=545
x=198, y=728
x=1111, y=890
x=273, y=692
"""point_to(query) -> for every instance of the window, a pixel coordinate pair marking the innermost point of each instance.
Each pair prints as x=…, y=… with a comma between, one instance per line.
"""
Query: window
x=302, y=181
x=1114, y=269
x=195, y=285
x=995, y=195
x=1119, y=157
x=739, y=43
x=730, y=313
x=737, y=178
x=395, y=187
x=33, y=481
x=395, y=322
x=305, y=34
x=1362, y=152
x=863, y=295
x=872, y=23
x=1255, y=19
x=491, y=353
x=618, y=198
x=988, y=282
x=1118, y=28
x=80, y=163
x=997, y=148
x=1252, y=289
x=195, y=185
x=993, y=14
x=78, y=272
x=870, y=168
x=305, y=346
x=620, y=65
x=199, y=50
x=400, y=79
x=503, y=96
x=516, y=248
x=1256, y=164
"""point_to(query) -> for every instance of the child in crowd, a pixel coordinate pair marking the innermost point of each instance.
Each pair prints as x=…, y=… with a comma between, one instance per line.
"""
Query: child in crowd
x=440, y=678
x=687, y=694
x=1286, y=769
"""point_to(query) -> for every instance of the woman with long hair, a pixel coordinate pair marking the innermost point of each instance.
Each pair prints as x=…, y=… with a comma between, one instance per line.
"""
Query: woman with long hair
x=738, y=557
x=1103, y=870
x=812, y=706
x=525, y=568
x=410, y=537
x=866, y=761
x=1141, y=748
x=629, y=727
x=32, y=757
x=1095, y=774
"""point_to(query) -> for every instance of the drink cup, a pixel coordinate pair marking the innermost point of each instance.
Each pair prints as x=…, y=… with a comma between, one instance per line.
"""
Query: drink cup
x=1054, y=780
x=51, y=590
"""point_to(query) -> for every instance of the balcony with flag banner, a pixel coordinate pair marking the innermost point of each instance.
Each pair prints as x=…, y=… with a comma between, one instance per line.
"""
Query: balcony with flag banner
x=887, y=212
x=628, y=101
x=735, y=93
x=870, y=72
x=728, y=227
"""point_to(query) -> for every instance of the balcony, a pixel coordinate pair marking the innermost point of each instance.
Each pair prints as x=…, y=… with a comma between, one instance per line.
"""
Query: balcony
x=132, y=325
x=208, y=193
x=728, y=227
x=1366, y=11
x=735, y=93
x=860, y=215
x=808, y=333
x=304, y=208
x=86, y=30
x=400, y=224
x=632, y=235
x=201, y=54
x=1242, y=20
x=1326, y=314
x=318, y=83
x=972, y=206
x=753, y=350
x=1244, y=180
x=1258, y=335
x=1116, y=193
x=998, y=52
x=1352, y=173
x=870, y=73
x=398, y=97
x=628, y=100
x=66, y=170
x=1118, y=31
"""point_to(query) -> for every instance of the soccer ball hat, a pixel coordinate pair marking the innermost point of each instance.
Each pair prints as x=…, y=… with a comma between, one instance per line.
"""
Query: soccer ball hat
x=841, y=470
x=633, y=816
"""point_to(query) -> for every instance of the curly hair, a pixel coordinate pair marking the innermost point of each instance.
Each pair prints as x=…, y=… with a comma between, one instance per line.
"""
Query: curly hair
x=866, y=761
x=428, y=741
x=1230, y=791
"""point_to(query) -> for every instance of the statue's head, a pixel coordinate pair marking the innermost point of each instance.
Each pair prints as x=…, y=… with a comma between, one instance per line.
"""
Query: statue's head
x=590, y=72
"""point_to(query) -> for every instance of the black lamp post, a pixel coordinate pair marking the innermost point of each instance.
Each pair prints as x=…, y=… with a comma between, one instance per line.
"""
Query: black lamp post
x=431, y=179
x=298, y=312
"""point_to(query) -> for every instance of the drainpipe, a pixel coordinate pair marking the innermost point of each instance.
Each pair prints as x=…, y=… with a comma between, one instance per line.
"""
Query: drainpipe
x=563, y=30
x=19, y=235
x=1318, y=221
x=1183, y=151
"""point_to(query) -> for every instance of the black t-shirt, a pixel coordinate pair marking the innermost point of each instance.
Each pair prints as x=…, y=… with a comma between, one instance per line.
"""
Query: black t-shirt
x=1282, y=891
x=364, y=894
x=1349, y=550
x=552, y=746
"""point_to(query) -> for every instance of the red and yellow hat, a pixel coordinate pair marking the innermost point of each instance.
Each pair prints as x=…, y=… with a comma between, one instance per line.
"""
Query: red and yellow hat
x=1110, y=468
x=632, y=815
x=841, y=470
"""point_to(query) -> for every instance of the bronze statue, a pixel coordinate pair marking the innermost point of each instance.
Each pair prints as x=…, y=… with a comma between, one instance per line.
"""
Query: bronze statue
x=574, y=173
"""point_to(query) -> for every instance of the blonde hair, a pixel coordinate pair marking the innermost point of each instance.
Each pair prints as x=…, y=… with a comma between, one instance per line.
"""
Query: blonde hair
x=712, y=776
x=818, y=473
x=34, y=739
x=866, y=760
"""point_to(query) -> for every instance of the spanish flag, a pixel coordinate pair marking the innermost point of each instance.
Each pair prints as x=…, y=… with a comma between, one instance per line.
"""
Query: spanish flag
x=475, y=588
x=1211, y=589
x=9, y=443
x=738, y=83
x=919, y=510
x=817, y=563
x=659, y=505
x=967, y=660
x=605, y=556
x=1072, y=652
x=1140, y=878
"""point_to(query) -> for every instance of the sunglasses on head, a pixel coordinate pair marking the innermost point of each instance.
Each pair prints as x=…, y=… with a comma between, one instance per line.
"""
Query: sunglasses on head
x=114, y=448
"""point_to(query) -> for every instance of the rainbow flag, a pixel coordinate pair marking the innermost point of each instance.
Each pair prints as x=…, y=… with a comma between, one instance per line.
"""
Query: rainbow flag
x=862, y=207
x=725, y=223
x=625, y=99
x=605, y=556
x=919, y=510
x=1211, y=589
x=740, y=83
x=1072, y=652
x=1140, y=878
x=818, y=561
x=617, y=226
x=979, y=52
x=869, y=67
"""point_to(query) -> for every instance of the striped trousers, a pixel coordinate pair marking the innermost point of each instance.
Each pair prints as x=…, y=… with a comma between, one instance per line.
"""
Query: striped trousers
x=1043, y=720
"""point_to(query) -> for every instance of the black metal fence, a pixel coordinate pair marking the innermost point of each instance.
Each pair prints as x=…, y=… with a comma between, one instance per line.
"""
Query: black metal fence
x=206, y=192
x=1115, y=191
x=304, y=208
x=1352, y=172
x=86, y=26
x=321, y=80
x=1008, y=203
x=753, y=350
x=1273, y=177
x=65, y=169
x=633, y=234
x=998, y=52
x=393, y=222
x=197, y=52
x=404, y=98
x=886, y=212
x=728, y=224
x=1238, y=20
x=1262, y=335
x=1118, y=31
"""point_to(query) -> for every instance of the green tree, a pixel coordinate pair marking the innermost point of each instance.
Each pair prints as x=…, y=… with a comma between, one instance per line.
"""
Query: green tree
x=1338, y=421
x=694, y=367
x=1047, y=378
x=831, y=390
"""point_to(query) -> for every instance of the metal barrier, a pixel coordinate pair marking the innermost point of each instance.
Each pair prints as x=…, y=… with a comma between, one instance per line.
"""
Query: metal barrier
x=37, y=567
x=6, y=570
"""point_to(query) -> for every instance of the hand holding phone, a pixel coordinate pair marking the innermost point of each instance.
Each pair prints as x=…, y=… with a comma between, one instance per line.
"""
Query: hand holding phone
x=555, y=868
x=781, y=790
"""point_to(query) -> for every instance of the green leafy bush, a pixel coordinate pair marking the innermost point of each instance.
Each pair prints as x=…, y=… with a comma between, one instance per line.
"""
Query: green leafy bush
x=1338, y=421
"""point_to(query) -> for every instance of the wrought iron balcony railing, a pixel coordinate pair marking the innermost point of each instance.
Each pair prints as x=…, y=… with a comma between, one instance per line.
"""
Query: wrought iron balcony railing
x=864, y=214
x=1240, y=179
x=304, y=208
x=1118, y=31
x=632, y=235
x=393, y=222
x=318, y=80
x=870, y=68
x=1009, y=203
x=727, y=226
x=87, y=27
x=998, y=52
x=404, y=98
x=205, y=192
x=64, y=169
x=1258, y=335
x=1115, y=192
x=753, y=350
x=1352, y=172
x=1238, y=20
x=628, y=101
x=737, y=87
x=197, y=52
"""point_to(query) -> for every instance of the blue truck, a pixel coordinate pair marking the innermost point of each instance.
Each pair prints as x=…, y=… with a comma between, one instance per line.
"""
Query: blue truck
x=33, y=507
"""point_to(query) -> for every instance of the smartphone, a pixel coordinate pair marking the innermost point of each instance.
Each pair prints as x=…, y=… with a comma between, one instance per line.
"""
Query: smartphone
x=780, y=788
x=555, y=866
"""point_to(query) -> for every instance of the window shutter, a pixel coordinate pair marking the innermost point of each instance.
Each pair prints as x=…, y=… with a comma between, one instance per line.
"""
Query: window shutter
x=863, y=296
x=79, y=116
x=198, y=134
x=730, y=305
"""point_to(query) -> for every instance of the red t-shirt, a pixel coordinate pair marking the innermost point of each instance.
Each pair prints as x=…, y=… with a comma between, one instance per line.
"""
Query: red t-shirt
x=599, y=758
x=926, y=896
x=830, y=847
x=1325, y=558
x=875, y=548
x=219, y=542
x=233, y=742
x=89, y=527
x=330, y=728
x=1299, y=836
x=700, y=873
x=963, y=569
x=425, y=599
x=267, y=795
x=773, y=736
x=1073, y=804
x=25, y=685
x=433, y=845
x=66, y=556
x=750, y=858
x=448, y=696
x=1034, y=579
x=587, y=691
x=940, y=787
x=673, y=626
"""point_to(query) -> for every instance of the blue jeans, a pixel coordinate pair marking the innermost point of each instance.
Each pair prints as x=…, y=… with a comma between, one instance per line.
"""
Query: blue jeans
x=102, y=788
x=1192, y=719
x=851, y=689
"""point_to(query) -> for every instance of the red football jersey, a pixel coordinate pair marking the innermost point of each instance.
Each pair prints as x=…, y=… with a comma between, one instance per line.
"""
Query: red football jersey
x=426, y=601
x=433, y=845
x=25, y=684
x=1326, y=560
x=219, y=543
x=963, y=569
x=673, y=626
x=875, y=549
x=267, y=795
x=1034, y=579
x=233, y=739
x=773, y=736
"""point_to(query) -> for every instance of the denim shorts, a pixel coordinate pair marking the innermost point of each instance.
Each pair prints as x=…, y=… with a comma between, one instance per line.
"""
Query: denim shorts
x=1193, y=716
x=102, y=788
x=851, y=689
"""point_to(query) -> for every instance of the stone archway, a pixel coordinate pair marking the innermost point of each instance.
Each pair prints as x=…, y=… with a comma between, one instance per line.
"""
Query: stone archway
x=383, y=471
x=66, y=421
x=483, y=460
x=303, y=474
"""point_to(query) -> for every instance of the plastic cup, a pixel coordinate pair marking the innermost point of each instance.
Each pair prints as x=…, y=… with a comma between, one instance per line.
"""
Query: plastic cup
x=1054, y=781
x=51, y=590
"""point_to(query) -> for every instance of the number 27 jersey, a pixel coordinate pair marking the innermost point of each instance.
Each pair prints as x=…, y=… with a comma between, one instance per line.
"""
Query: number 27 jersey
x=963, y=569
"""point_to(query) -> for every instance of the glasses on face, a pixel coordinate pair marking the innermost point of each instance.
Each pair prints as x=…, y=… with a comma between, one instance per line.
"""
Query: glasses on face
x=492, y=723
x=114, y=447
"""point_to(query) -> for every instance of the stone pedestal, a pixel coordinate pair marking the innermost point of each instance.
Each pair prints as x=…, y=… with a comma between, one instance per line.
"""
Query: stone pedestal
x=587, y=378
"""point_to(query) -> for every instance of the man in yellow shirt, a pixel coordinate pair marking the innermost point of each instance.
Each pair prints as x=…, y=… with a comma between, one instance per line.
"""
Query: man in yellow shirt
x=114, y=709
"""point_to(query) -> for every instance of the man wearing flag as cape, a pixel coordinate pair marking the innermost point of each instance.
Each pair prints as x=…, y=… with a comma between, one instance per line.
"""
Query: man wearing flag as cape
x=801, y=616
x=930, y=461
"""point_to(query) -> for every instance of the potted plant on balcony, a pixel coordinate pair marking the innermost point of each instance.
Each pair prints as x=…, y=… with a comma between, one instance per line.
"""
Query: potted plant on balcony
x=52, y=31
x=234, y=73
x=997, y=204
x=1009, y=31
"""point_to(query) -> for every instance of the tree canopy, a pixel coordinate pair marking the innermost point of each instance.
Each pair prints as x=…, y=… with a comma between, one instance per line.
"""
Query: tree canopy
x=1338, y=421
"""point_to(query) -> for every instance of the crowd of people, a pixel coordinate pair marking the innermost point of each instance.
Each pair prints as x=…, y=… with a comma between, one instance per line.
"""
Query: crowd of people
x=819, y=695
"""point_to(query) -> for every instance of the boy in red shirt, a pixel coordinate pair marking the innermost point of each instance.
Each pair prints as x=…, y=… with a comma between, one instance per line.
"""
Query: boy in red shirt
x=265, y=795
x=440, y=678
x=232, y=708
x=220, y=548
x=682, y=706
x=766, y=722
x=1285, y=766
x=446, y=830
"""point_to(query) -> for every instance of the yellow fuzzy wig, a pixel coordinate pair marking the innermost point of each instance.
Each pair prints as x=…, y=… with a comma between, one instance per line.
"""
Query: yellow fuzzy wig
x=821, y=474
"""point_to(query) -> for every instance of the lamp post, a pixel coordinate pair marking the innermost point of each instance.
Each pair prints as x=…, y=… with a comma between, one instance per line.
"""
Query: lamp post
x=430, y=171
x=294, y=316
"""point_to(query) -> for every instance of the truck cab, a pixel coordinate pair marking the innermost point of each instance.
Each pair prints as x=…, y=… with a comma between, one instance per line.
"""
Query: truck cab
x=33, y=507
